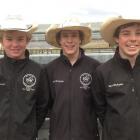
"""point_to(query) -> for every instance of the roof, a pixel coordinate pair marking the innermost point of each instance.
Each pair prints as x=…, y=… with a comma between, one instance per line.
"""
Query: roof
x=94, y=26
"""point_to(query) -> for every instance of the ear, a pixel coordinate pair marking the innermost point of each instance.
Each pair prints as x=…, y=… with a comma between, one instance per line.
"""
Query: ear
x=80, y=41
x=1, y=41
x=116, y=40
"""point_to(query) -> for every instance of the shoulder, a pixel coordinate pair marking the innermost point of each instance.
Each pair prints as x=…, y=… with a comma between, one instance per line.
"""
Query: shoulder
x=34, y=65
x=106, y=67
x=52, y=65
x=91, y=61
x=1, y=59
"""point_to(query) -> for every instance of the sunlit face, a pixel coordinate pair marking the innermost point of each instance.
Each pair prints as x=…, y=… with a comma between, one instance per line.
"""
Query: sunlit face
x=129, y=41
x=70, y=42
x=14, y=44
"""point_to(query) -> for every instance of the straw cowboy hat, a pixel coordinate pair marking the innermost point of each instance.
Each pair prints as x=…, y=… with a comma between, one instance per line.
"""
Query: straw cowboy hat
x=109, y=27
x=72, y=24
x=18, y=24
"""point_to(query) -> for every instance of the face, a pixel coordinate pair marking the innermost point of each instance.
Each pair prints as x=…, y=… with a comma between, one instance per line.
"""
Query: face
x=70, y=42
x=129, y=41
x=14, y=44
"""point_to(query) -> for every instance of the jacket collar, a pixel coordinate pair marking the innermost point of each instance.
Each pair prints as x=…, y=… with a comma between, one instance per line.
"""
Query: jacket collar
x=66, y=60
x=16, y=65
x=11, y=60
x=125, y=62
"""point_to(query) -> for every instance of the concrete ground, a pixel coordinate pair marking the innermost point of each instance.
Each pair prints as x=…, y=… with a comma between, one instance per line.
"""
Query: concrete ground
x=44, y=131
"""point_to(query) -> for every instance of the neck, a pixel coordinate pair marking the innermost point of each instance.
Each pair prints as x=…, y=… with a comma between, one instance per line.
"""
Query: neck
x=132, y=61
x=74, y=57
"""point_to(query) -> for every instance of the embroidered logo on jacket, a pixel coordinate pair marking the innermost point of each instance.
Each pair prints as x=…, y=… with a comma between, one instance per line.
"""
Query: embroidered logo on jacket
x=85, y=80
x=58, y=81
x=29, y=80
x=2, y=84
x=116, y=85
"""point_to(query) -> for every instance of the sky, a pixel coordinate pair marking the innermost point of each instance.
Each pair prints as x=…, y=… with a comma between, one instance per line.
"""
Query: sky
x=56, y=11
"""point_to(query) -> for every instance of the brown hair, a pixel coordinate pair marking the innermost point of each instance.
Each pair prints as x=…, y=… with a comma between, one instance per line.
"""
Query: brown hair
x=117, y=31
x=81, y=35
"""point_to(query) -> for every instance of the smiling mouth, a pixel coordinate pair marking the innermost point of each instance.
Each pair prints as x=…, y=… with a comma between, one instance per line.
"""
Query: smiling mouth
x=69, y=46
x=15, y=50
x=133, y=45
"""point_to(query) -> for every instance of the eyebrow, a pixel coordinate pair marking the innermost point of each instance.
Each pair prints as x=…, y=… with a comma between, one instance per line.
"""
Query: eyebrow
x=125, y=29
x=10, y=36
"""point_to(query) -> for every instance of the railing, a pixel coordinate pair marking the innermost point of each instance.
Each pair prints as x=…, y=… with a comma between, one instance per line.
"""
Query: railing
x=57, y=50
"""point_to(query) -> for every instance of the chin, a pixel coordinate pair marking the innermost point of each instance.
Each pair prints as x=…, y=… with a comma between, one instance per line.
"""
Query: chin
x=16, y=56
x=133, y=54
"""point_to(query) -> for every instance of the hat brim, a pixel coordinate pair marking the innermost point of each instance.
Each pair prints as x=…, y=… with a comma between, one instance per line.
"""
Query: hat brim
x=109, y=27
x=51, y=34
x=29, y=30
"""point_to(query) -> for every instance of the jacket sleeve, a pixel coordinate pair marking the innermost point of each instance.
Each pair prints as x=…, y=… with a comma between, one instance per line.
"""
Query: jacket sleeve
x=42, y=99
x=98, y=92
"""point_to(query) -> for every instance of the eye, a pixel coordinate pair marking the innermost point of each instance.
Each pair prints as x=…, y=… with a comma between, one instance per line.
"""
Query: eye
x=9, y=39
x=138, y=33
x=125, y=33
x=20, y=39
x=74, y=35
x=65, y=35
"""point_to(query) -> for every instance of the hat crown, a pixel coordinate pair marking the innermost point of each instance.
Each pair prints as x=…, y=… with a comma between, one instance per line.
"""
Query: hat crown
x=14, y=22
x=70, y=24
x=108, y=28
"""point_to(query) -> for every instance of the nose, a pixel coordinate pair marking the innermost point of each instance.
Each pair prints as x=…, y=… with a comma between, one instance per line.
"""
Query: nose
x=133, y=37
x=69, y=39
x=14, y=42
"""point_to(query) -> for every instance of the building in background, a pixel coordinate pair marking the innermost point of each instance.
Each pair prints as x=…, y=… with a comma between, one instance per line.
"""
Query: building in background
x=38, y=39
x=39, y=45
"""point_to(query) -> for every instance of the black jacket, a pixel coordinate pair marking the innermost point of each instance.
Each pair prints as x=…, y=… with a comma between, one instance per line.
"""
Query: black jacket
x=117, y=94
x=72, y=109
x=23, y=98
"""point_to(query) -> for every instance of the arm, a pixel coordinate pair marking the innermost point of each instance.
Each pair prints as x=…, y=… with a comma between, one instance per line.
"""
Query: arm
x=42, y=99
x=98, y=92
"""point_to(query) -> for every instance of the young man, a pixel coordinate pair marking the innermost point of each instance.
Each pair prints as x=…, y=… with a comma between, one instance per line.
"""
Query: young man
x=72, y=108
x=23, y=96
x=116, y=88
